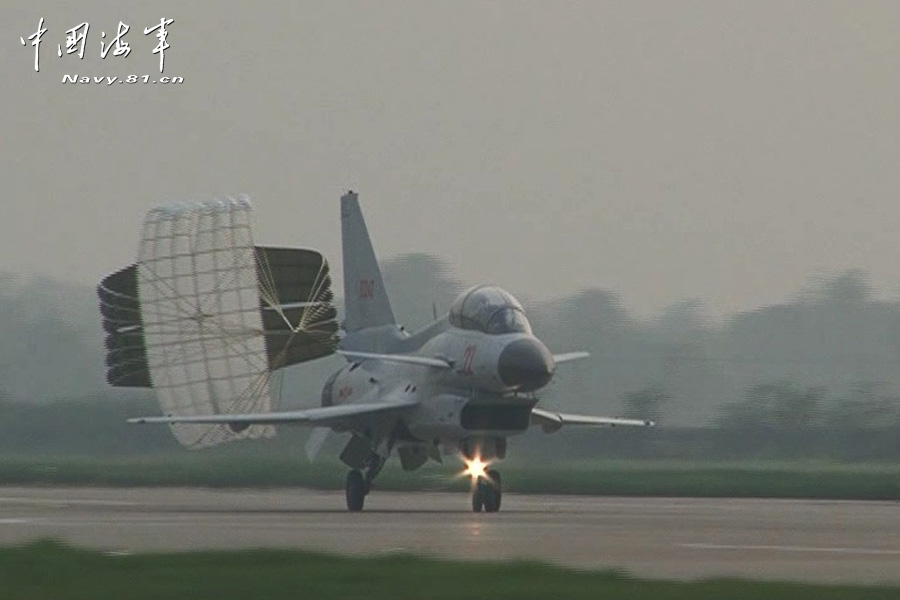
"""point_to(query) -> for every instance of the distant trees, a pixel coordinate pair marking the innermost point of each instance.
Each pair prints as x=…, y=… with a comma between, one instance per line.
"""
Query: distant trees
x=788, y=406
x=866, y=406
x=51, y=343
x=780, y=404
x=785, y=419
x=646, y=403
x=846, y=288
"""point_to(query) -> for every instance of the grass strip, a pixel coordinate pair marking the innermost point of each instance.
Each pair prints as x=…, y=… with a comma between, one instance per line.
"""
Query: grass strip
x=47, y=569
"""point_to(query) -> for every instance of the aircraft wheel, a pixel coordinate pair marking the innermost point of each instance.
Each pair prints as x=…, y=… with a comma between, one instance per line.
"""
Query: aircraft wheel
x=493, y=492
x=356, y=491
x=478, y=497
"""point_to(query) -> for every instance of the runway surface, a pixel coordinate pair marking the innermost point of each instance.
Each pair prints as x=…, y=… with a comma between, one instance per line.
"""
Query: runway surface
x=818, y=541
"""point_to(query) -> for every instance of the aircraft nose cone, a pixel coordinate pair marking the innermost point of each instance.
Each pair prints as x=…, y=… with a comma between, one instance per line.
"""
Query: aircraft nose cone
x=526, y=365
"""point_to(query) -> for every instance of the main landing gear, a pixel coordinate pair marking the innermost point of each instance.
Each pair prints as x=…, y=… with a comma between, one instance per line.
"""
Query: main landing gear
x=359, y=484
x=488, y=492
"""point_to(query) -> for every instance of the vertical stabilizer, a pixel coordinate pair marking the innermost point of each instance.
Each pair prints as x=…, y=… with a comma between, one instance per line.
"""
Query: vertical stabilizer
x=365, y=298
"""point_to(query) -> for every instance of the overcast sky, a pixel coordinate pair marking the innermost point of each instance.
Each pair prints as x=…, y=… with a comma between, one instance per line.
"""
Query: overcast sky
x=720, y=150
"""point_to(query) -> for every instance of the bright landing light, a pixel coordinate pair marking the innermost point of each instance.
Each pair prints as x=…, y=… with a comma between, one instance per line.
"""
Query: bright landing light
x=476, y=468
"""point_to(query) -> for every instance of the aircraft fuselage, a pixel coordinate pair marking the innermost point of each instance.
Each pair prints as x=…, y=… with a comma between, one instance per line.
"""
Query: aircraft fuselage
x=475, y=402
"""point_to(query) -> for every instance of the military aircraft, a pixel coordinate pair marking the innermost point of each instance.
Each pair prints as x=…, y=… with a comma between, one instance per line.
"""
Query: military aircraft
x=461, y=385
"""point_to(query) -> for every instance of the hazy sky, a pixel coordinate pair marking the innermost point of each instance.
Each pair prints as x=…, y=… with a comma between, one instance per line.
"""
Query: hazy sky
x=719, y=150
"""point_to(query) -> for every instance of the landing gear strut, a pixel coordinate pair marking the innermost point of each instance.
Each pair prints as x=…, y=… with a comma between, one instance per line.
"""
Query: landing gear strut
x=358, y=485
x=488, y=492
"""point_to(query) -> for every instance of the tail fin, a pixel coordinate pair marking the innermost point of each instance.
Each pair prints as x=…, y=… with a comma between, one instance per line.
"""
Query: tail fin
x=365, y=298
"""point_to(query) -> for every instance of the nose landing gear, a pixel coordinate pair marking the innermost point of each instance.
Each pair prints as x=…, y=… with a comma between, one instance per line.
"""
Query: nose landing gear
x=358, y=485
x=356, y=491
x=488, y=492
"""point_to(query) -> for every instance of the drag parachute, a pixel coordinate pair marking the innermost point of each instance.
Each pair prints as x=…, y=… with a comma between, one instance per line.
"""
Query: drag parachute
x=204, y=317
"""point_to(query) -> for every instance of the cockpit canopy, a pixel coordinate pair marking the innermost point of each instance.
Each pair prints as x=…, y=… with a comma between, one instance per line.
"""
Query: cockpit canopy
x=490, y=310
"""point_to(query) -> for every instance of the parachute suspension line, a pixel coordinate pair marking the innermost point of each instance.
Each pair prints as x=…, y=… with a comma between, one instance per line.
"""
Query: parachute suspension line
x=181, y=311
x=221, y=285
x=226, y=279
x=176, y=312
x=267, y=288
x=245, y=402
x=203, y=341
x=231, y=331
x=314, y=308
x=185, y=309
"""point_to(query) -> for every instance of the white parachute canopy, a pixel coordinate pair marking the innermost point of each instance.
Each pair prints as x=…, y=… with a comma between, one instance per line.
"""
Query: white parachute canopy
x=200, y=289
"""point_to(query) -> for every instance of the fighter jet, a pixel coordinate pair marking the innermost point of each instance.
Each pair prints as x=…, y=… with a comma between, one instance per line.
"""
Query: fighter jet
x=461, y=386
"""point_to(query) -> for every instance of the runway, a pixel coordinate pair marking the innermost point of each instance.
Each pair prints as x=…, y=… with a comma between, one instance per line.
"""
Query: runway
x=815, y=541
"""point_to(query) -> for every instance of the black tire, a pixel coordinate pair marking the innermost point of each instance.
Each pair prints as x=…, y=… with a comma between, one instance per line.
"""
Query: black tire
x=493, y=492
x=477, y=497
x=356, y=491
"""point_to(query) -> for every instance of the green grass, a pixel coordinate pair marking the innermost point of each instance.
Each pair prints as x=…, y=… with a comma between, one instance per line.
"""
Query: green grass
x=797, y=479
x=774, y=479
x=46, y=570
